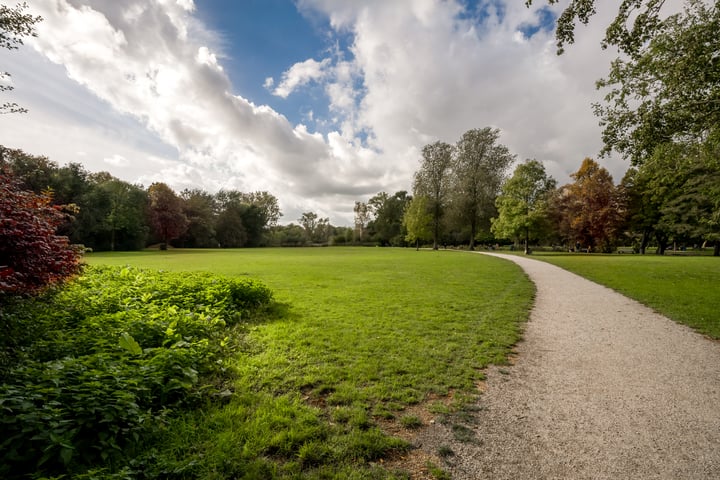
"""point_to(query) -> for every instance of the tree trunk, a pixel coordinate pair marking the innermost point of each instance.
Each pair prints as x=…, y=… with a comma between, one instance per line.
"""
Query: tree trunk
x=527, y=241
x=644, y=240
x=473, y=228
x=662, y=246
x=716, y=250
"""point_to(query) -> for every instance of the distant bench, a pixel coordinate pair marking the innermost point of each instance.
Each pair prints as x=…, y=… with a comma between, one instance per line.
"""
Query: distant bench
x=625, y=250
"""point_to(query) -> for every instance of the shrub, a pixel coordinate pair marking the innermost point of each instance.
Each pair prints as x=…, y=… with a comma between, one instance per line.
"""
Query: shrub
x=113, y=354
x=32, y=256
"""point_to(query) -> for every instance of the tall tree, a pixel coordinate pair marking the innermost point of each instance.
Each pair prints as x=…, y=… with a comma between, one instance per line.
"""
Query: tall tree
x=200, y=209
x=323, y=230
x=641, y=211
x=523, y=204
x=388, y=213
x=268, y=205
x=35, y=173
x=418, y=220
x=308, y=220
x=14, y=25
x=636, y=22
x=670, y=91
x=478, y=172
x=362, y=217
x=432, y=181
x=260, y=211
x=683, y=183
x=166, y=215
x=230, y=228
x=124, y=219
x=591, y=207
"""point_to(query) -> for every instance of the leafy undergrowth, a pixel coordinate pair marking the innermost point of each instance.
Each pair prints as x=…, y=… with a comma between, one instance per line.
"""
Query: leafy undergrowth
x=92, y=372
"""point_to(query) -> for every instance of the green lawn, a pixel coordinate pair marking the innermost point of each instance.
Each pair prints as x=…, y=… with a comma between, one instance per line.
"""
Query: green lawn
x=682, y=288
x=361, y=335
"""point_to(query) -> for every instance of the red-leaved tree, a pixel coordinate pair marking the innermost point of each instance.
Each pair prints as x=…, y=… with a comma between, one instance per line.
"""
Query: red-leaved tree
x=32, y=256
x=166, y=213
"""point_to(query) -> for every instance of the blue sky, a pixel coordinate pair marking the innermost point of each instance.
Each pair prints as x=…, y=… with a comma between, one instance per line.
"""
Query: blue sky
x=254, y=38
x=321, y=102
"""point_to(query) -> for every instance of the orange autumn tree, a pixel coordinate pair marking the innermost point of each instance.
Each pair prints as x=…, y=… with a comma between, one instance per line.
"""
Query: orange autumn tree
x=589, y=211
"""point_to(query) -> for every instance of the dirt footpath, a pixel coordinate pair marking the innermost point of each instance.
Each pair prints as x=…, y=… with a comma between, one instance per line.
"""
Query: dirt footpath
x=603, y=387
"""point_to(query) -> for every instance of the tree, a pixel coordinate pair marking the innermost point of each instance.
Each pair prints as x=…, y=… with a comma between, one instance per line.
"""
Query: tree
x=14, y=25
x=680, y=187
x=166, y=215
x=432, y=182
x=200, y=209
x=478, y=172
x=268, y=205
x=523, y=204
x=418, y=220
x=32, y=255
x=35, y=173
x=230, y=229
x=362, y=218
x=388, y=216
x=669, y=91
x=258, y=211
x=636, y=23
x=308, y=221
x=124, y=218
x=590, y=207
x=641, y=211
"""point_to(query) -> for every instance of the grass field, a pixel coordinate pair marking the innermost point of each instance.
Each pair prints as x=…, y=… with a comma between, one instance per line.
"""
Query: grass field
x=364, y=337
x=682, y=288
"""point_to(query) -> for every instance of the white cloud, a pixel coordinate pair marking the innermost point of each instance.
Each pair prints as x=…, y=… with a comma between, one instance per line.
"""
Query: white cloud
x=150, y=88
x=117, y=161
x=300, y=74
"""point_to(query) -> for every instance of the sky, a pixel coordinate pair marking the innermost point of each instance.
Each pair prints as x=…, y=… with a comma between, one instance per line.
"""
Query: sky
x=320, y=102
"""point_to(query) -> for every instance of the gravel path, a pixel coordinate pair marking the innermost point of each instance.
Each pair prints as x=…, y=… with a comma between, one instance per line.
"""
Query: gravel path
x=603, y=387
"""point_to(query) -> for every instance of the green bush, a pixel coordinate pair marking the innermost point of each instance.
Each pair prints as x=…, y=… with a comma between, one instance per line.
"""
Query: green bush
x=94, y=368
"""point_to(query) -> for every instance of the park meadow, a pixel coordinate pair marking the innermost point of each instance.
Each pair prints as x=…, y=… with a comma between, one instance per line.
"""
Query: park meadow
x=287, y=363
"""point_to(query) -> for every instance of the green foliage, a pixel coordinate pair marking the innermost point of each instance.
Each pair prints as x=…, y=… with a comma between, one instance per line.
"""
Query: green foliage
x=388, y=217
x=432, y=181
x=523, y=204
x=670, y=90
x=479, y=168
x=14, y=25
x=636, y=22
x=417, y=220
x=106, y=360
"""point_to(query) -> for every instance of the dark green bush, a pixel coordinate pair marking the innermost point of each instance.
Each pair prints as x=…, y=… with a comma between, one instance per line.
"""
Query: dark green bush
x=95, y=367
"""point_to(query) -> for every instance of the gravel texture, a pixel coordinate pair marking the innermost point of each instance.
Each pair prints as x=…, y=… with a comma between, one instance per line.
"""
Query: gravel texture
x=602, y=387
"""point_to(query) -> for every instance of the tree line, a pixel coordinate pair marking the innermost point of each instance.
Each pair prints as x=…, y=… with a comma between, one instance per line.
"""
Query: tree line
x=661, y=112
x=462, y=194
x=106, y=213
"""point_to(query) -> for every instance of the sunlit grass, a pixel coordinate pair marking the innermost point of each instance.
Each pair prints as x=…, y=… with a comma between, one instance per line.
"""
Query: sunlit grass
x=362, y=334
x=682, y=288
